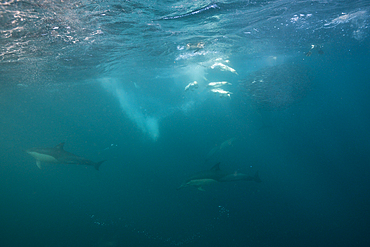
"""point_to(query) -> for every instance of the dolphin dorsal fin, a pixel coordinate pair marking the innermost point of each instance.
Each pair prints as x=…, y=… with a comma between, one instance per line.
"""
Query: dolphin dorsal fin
x=216, y=167
x=60, y=146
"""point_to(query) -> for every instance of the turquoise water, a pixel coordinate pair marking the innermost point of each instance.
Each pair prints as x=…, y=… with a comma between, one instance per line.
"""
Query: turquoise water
x=108, y=78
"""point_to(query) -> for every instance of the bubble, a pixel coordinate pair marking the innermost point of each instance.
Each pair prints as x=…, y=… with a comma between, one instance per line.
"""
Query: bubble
x=179, y=240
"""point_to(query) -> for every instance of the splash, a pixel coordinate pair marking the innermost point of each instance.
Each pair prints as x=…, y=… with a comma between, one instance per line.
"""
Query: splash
x=147, y=124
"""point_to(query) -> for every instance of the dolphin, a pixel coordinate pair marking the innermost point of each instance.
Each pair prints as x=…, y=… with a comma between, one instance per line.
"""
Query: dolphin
x=58, y=155
x=223, y=145
x=215, y=174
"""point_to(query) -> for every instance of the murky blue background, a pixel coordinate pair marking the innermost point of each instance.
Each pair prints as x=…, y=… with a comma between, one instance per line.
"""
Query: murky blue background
x=108, y=78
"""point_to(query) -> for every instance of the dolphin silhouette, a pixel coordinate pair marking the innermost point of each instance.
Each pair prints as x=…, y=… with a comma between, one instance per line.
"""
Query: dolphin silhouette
x=219, y=148
x=58, y=155
x=215, y=174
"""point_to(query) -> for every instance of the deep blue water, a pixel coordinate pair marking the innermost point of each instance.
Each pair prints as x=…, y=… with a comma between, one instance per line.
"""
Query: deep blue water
x=108, y=78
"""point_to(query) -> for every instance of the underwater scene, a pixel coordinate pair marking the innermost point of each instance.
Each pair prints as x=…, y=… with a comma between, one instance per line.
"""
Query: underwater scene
x=184, y=123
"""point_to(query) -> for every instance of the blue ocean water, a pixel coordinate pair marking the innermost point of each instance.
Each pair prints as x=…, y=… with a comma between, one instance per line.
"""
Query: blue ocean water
x=114, y=80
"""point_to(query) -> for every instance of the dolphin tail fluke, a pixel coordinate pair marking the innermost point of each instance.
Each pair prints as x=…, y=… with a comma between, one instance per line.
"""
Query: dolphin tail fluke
x=256, y=178
x=97, y=164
